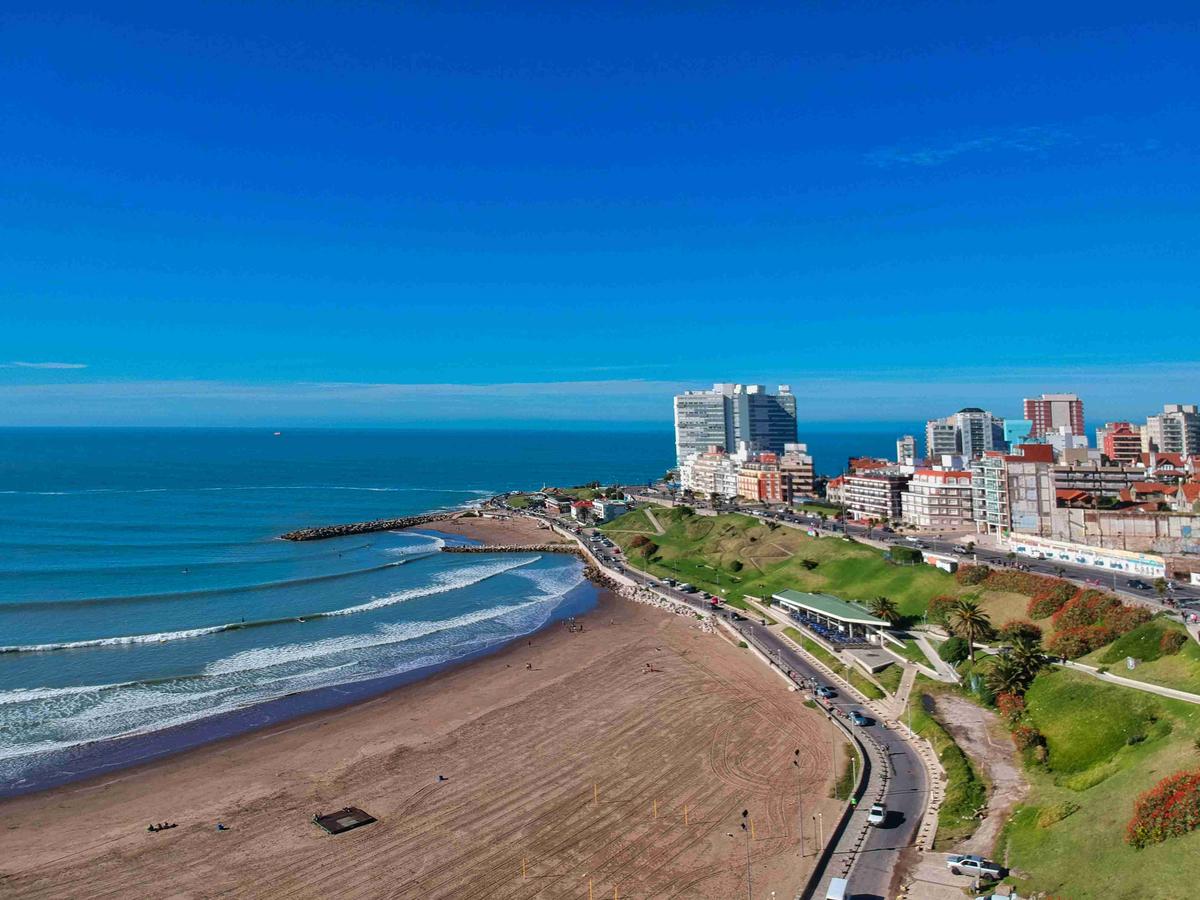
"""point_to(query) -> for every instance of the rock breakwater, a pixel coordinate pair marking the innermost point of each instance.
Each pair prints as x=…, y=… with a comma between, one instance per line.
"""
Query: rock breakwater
x=321, y=532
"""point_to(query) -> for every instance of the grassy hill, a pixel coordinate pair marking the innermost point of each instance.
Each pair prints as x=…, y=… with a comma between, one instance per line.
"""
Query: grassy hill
x=743, y=555
x=1107, y=744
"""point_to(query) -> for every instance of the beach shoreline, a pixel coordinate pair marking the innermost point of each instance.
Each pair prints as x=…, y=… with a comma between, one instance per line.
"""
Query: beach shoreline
x=100, y=760
x=637, y=704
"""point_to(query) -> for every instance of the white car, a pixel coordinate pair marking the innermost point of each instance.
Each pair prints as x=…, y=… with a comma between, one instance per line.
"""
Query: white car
x=973, y=865
x=878, y=814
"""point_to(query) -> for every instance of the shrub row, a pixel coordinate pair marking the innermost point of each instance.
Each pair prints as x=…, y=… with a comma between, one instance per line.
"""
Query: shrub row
x=1169, y=809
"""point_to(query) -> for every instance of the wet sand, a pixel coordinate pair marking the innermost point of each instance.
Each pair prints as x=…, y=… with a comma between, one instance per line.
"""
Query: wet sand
x=527, y=753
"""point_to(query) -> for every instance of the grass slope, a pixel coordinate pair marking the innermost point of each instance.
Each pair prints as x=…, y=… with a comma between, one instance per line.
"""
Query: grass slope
x=1096, y=774
x=1180, y=671
x=742, y=555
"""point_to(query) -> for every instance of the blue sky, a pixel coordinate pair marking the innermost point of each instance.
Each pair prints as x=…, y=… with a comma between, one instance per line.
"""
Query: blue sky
x=359, y=213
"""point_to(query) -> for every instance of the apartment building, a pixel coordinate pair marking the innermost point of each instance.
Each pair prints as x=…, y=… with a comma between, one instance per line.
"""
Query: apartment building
x=1097, y=479
x=731, y=414
x=1014, y=492
x=939, y=499
x=796, y=470
x=875, y=494
x=906, y=450
x=970, y=432
x=1053, y=411
x=713, y=473
x=1121, y=442
x=1175, y=430
x=760, y=480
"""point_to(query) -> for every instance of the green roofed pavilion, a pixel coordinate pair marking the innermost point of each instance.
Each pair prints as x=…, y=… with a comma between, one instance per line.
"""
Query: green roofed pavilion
x=834, y=619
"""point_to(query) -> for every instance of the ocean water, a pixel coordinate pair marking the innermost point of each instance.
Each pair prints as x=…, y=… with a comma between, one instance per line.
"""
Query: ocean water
x=143, y=587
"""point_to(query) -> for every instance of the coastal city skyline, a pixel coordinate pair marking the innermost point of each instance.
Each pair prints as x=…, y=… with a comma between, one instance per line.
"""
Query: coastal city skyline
x=509, y=451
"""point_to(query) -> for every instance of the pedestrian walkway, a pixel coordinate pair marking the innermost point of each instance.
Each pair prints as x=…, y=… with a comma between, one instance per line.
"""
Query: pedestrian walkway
x=945, y=670
x=1158, y=689
x=658, y=529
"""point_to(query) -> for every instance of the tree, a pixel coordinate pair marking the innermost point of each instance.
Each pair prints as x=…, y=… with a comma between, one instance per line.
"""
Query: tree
x=885, y=608
x=1160, y=586
x=1026, y=654
x=969, y=622
x=1006, y=677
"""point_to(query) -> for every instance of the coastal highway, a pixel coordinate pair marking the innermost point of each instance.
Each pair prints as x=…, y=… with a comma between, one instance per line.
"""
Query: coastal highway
x=908, y=788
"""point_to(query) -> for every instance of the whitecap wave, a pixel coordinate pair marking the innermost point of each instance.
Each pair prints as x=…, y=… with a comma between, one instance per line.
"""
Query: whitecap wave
x=160, y=637
x=268, y=657
x=442, y=583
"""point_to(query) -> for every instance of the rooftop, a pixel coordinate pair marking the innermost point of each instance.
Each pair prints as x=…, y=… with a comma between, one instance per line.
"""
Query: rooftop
x=827, y=605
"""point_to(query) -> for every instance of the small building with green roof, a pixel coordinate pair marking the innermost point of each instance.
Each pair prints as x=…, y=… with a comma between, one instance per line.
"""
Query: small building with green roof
x=832, y=618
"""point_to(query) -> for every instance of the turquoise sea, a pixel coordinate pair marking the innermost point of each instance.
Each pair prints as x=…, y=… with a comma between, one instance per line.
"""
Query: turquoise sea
x=143, y=587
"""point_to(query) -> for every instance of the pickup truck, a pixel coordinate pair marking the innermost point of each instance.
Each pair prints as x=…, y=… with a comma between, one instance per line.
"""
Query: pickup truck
x=973, y=865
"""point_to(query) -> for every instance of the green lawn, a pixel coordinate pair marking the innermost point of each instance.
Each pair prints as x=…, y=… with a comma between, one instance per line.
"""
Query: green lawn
x=864, y=685
x=912, y=652
x=518, y=501
x=965, y=790
x=1180, y=670
x=1092, y=766
x=890, y=678
x=743, y=555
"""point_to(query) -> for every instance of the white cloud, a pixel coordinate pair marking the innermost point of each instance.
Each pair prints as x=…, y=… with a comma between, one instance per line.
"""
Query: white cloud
x=18, y=364
x=1031, y=140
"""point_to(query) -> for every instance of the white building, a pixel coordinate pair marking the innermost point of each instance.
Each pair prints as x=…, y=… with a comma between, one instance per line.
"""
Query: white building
x=730, y=414
x=970, y=432
x=606, y=510
x=1175, y=430
x=713, y=473
x=874, y=494
x=939, y=499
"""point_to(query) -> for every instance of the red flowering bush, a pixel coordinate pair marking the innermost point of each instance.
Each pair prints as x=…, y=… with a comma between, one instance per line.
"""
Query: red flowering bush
x=1172, y=642
x=1050, y=598
x=939, y=609
x=1011, y=706
x=1075, y=642
x=1018, y=582
x=1019, y=628
x=972, y=574
x=1086, y=608
x=1170, y=809
x=1025, y=736
x=1127, y=618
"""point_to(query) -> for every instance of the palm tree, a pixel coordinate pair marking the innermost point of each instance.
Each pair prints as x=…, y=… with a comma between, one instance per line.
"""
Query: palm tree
x=1026, y=654
x=970, y=623
x=884, y=608
x=1005, y=676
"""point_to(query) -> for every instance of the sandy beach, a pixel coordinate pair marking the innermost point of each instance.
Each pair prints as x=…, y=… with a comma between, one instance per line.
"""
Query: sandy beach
x=563, y=756
x=511, y=531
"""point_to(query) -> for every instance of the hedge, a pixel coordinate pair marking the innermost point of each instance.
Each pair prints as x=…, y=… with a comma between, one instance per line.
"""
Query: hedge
x=1170, y=809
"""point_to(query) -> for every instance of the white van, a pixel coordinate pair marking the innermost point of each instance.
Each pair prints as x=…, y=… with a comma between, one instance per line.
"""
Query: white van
x=837, y=889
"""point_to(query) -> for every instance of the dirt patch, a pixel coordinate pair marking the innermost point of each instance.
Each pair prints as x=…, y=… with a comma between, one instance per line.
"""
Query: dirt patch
x=982, y=736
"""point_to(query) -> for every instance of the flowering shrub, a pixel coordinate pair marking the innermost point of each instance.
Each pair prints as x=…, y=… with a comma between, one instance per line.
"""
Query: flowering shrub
x=1019, y=628
x=972, y=574
x=1086, y=608
x=1050, y=598
x=1127, y=618
x=1172, y=642
x=1075, y=642
x=1011, y=706
x=939, y=609
x=1026, y=736
x=1019, y=582
x=1169, y=809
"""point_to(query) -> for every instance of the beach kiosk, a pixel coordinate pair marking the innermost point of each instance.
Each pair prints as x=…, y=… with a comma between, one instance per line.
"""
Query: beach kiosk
x=832, y=619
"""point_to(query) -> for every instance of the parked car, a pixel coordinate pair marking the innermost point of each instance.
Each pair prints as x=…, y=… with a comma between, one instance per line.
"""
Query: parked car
x=960, y=548
x=858, y=718
x=878, y=815
x=737, y=617
x=827, y=692
x=1137, y=584
x=973, y=865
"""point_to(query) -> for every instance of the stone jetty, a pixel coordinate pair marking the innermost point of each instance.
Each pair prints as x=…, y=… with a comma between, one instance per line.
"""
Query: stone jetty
x=321, y=532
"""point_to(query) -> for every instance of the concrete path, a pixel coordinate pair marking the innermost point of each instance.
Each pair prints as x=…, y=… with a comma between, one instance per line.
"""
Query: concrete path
x=658, y=529
x=945, y=670
x=1158, y=689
